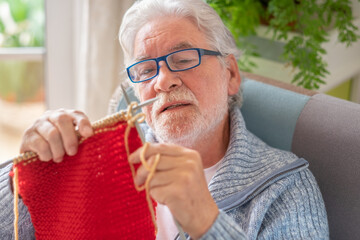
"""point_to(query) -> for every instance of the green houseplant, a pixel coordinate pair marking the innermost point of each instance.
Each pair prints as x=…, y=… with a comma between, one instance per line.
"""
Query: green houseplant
x=309, y=19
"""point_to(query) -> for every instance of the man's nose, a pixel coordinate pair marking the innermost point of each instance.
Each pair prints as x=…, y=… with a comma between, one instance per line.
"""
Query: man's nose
x=166, y=80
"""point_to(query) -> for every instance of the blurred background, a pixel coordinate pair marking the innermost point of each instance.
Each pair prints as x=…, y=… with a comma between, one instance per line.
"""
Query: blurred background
x=22, y=33
x=56, y=54
x=65, y=54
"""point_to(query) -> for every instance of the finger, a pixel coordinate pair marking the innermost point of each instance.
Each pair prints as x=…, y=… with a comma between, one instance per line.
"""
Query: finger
x=141, y=175
x=143, y=171
x=157, y=193
x=52, y=135
x=83, y=123
x=171, y=165
x=36, y=143
x=66, y=121
x=164, y=193
x=153, y=149
x=186, y=174
x=167, y=163
x=163, y=178
x=65, y=126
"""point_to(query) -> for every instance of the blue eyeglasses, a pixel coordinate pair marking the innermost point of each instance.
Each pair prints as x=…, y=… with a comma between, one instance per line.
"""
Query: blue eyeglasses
x=178, y=61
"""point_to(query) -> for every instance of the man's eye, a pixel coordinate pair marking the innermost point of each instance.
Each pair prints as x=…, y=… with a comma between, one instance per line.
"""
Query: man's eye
x=185, y=61
x=146, y=71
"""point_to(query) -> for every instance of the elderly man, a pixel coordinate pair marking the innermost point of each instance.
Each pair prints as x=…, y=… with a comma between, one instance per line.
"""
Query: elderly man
x=214, y=177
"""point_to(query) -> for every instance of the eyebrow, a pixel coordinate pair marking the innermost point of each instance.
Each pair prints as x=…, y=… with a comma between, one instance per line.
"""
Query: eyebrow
x=140, y=58
x=179, y=46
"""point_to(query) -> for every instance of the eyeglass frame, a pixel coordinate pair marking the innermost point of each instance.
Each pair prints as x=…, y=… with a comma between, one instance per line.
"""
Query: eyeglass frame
x=201, y=52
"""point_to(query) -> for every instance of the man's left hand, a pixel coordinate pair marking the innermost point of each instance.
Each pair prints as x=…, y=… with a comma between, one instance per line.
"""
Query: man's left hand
x=179, y=183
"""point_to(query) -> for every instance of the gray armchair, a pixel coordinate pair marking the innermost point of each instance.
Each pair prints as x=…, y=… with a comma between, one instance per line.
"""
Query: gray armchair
x=322, y=129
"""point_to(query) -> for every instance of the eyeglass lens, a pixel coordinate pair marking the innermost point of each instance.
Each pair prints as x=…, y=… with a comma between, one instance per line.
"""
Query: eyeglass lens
x=177, y=61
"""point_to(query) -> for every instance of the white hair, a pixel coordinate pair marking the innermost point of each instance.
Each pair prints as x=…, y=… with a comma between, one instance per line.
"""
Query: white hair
x=200, y=13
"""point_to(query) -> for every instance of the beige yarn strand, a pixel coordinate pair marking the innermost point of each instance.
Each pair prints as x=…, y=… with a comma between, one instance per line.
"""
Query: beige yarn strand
x=151, y=169
x=16, y=200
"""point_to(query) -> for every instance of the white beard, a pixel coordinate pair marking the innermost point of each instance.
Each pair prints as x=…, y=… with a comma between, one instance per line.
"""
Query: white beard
x=185, y=128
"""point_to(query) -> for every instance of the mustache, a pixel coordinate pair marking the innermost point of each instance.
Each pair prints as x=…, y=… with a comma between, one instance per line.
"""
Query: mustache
x=180, y=94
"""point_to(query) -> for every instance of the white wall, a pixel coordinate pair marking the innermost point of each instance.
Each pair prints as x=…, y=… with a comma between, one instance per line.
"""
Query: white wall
x=59, y=57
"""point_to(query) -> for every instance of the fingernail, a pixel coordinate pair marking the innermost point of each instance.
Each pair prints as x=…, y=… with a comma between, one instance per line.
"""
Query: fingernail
x=88, y=131
x=72, y=151
x=58, y=160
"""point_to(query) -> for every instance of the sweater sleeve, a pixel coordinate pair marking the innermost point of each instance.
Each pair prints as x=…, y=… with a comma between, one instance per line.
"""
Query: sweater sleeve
x=224, y=227
x=26, y=230
x=297, y=212
x=291, y=208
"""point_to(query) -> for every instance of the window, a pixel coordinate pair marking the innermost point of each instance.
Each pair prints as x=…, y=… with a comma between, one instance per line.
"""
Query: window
x=21, y=70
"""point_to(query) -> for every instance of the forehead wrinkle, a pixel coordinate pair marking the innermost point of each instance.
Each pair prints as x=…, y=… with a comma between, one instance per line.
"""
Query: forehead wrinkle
x=179, y=46
x=148, y=37
x=143, y=56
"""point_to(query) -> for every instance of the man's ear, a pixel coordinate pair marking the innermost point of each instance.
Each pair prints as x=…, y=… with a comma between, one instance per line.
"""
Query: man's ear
x=234, y=79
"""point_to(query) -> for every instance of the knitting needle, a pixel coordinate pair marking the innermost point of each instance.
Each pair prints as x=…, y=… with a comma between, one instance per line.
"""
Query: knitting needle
x=141, y=134
x=145, y=103
x=127, y=99
x=181, y=231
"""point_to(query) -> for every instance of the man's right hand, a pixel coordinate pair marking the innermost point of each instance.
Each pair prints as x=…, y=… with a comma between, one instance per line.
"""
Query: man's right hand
x=54, y=134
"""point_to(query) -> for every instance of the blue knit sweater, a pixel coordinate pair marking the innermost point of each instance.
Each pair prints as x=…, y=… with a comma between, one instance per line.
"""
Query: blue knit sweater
x=262, y=193
x=26, y=230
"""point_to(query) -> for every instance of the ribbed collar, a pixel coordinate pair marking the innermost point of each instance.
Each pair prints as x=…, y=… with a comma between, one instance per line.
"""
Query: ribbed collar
x=246, y=160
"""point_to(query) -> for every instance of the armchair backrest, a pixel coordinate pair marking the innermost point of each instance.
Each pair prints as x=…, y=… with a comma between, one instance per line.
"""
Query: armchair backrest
x=322, y=129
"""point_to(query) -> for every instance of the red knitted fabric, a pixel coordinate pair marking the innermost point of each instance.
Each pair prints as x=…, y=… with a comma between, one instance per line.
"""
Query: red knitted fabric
x=87, y=196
